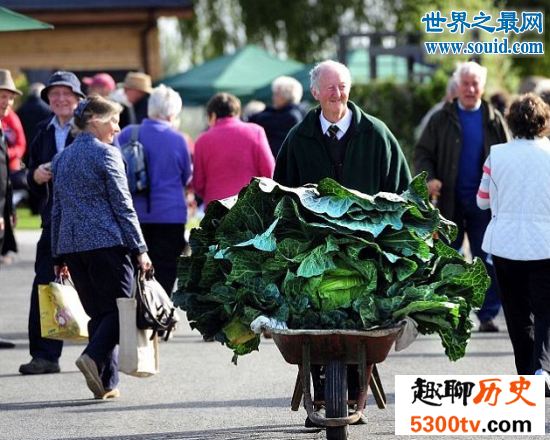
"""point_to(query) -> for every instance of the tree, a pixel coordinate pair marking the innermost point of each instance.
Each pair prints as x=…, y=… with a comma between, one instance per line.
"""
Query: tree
x=530, y=65
x=305, y=30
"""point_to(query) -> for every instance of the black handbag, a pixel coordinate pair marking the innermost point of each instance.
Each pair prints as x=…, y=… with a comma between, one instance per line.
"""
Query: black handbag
x=19, y=179
x=155, y=309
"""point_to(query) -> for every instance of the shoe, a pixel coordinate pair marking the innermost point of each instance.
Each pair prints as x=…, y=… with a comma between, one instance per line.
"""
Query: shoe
x=362, y=420
x=488, y=326
x=89, y=369
x=310, y=424
x=109, y=394
x=8, y=258
x=4, y=343
x=546, y=375
x=39, y=366
x=267, y=334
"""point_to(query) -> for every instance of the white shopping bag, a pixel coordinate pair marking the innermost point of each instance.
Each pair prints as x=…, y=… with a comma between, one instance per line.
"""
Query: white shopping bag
x=137, y=353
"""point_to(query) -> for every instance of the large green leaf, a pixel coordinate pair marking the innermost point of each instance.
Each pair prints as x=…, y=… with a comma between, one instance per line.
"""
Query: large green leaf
x=327, y=257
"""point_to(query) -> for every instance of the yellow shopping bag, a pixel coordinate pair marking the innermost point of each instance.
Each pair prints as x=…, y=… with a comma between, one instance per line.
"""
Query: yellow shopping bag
x=61, y=313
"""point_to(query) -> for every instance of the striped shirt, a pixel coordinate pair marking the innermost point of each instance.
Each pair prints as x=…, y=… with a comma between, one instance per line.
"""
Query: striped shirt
x=483, y=199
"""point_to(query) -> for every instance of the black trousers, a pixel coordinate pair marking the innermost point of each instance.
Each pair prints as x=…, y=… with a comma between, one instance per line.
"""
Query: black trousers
x=40, y=347
x=525, y=294
x=165, y=242
x=101, y=276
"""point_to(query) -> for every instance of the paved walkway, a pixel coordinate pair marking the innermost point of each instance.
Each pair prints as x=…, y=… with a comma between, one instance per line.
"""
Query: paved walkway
x=198, y=394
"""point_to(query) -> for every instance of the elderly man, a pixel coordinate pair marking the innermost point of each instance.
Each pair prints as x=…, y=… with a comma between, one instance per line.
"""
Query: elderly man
x=7, y=97
x=283, y=114
x=62, y=94
x=452, y=149
x=340, y=141
x=137, y=87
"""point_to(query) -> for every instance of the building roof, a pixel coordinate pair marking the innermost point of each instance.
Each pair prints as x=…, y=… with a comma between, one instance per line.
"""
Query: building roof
x=67, y=5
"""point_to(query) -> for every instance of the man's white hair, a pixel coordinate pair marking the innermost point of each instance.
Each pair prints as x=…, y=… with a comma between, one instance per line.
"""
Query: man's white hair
x=315, y=73
x=288, y=88
x=472, y=68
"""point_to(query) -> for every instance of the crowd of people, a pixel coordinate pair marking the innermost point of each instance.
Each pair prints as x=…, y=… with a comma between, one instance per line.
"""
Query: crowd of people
x=484, y=166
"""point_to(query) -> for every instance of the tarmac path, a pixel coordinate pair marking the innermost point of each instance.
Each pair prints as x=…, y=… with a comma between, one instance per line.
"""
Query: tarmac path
x=198, y=394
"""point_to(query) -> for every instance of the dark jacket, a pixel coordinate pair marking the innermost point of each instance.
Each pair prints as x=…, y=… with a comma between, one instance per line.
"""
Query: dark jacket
x=134, y=114
x=373, y=160
x=6, y=208
x=440, y=145
x=42, y=150
x=32, y=112
x=277, y=123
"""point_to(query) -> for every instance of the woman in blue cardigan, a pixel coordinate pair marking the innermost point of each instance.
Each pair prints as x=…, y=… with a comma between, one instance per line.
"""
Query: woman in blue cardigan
x=96, y=234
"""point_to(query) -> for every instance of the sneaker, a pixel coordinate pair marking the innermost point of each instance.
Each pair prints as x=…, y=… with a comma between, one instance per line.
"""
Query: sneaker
x=109, y=394
x=39, y=366
x=488, y=326
x=88, y=368
x=546, y=375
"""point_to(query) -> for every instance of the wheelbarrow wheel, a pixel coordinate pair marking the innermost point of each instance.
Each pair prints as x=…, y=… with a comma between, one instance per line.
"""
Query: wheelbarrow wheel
x=336, y=402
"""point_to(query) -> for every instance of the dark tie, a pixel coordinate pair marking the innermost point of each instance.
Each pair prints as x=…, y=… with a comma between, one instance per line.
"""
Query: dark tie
x=332, y=132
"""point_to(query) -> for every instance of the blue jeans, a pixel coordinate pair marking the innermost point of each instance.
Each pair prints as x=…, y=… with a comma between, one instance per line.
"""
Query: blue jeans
x=474, y=221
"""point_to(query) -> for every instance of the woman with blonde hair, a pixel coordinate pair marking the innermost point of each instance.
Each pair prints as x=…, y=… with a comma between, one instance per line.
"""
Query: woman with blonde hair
x=96, y=234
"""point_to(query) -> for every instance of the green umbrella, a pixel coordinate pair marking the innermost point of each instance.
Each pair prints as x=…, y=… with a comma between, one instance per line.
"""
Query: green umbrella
x=12, y=21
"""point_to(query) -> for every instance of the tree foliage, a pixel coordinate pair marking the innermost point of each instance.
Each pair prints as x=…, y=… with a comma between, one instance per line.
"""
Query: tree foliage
x=530, y=65
x=305, y=30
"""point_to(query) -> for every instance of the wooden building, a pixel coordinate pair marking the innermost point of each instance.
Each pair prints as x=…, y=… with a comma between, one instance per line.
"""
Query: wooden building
x=112, y=36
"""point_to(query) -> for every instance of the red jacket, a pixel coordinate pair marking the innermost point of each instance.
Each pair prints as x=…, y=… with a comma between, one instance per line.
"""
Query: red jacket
x=15, y=137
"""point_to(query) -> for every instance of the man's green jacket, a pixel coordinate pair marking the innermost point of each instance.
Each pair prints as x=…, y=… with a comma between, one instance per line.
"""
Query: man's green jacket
x=373, y=160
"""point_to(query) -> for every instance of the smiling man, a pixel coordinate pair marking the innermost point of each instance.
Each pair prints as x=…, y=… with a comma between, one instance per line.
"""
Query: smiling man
x=452, y=149
x=339, y=140
x=62, y=94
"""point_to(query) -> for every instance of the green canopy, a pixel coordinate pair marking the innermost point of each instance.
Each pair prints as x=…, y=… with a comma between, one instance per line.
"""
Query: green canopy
x=12, y=21
x=240, y=74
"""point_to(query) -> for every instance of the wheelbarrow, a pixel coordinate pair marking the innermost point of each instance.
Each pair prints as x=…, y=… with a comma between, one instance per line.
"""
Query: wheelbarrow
x=336, y=349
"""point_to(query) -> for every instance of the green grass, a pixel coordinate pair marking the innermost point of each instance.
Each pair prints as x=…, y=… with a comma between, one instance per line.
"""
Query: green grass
x=25, y=219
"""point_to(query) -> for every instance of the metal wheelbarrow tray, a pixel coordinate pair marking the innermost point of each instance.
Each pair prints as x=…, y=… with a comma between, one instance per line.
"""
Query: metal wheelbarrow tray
x=336, y=349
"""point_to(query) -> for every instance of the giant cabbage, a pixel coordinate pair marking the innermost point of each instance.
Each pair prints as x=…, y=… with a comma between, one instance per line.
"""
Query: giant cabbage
x=327, y=257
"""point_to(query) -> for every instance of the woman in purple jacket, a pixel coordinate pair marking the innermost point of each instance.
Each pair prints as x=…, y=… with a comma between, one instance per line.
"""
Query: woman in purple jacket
x=163, y=221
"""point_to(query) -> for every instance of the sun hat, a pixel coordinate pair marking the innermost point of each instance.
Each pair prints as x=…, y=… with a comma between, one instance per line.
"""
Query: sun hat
x=6, y=82
x=100, y=79
x=62, y=78
x=137, y=81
